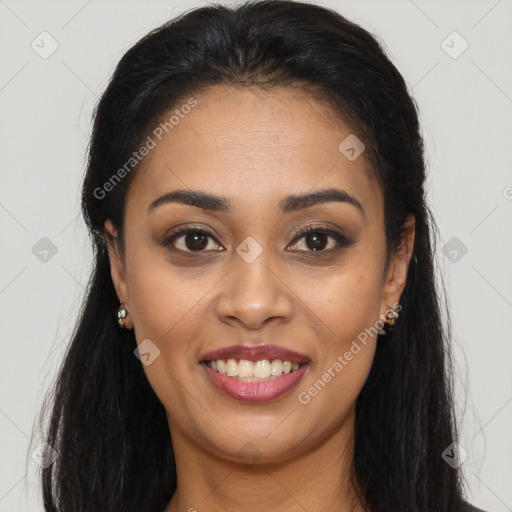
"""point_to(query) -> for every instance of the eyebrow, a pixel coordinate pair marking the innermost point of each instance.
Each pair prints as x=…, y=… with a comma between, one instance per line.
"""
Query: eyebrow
x=291, y=203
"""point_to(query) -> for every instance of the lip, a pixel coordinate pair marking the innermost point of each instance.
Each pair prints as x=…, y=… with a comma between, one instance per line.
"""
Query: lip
x=255, y=353
x=255, y=392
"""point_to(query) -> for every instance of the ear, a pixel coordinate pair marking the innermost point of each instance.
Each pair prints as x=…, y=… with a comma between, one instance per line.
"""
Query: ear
x=117, y=266
x=396, y=275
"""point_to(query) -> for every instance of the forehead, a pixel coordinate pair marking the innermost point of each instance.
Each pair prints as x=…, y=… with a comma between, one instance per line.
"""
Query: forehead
x=252, y=145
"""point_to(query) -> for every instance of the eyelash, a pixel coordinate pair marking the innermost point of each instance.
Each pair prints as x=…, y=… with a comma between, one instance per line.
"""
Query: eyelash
x=341, y=240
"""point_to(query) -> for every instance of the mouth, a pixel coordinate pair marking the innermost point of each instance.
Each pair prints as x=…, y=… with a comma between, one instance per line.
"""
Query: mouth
x=253, y=371
x=255, y=374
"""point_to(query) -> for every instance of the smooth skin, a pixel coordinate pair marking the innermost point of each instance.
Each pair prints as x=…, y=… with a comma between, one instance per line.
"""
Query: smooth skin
x=254, y=148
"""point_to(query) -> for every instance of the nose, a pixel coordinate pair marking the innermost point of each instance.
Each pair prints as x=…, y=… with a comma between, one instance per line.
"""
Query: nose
x=255, y=294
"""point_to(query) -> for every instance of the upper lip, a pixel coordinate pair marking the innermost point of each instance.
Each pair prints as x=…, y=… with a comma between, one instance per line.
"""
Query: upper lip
x=255, y=353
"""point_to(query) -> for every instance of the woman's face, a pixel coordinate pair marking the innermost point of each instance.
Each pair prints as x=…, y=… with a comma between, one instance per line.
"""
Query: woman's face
x=251, y=280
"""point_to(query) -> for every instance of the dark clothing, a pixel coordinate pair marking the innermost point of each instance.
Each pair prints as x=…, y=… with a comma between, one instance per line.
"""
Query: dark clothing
x=470, y=508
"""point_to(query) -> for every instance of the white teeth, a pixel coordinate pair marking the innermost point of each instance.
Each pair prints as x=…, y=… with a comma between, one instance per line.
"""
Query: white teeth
x=245, y=368
x=250, y=371
x=232, y=368
x=262, y=369
x=221, y=367
x=276, y=367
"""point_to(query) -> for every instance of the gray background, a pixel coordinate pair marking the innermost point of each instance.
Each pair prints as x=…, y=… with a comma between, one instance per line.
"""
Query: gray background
x=46, y=104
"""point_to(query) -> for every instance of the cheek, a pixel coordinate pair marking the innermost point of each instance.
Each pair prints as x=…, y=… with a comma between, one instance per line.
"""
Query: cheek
x=348, y=305
x=169, y=311
x=162, y=298
x=328, y=395
x=346, y=301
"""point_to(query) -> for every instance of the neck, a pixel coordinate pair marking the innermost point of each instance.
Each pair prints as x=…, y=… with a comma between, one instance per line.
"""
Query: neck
x=319, y=479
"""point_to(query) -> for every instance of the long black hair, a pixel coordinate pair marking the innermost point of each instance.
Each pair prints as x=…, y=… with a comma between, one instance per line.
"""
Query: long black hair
x=103, y=418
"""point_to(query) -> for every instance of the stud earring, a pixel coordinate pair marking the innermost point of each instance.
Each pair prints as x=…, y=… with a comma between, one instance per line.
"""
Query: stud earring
x=391, y=316
x=121, y=315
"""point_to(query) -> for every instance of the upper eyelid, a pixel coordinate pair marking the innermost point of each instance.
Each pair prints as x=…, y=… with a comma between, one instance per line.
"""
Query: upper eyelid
x=312, y=228
x=300, y=231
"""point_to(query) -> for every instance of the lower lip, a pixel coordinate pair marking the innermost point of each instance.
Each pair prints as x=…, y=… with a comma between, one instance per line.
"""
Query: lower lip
x=255, y=391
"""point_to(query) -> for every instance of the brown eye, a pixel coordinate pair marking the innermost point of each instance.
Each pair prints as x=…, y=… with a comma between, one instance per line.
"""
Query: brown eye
x=190, y=240
x=319, y=240
x=196, y=241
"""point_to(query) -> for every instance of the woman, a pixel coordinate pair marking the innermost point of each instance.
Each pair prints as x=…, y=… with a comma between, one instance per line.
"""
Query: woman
x=255, y=196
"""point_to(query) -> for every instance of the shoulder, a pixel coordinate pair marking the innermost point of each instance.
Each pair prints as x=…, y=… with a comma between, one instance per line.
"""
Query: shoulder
x=470, y=508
